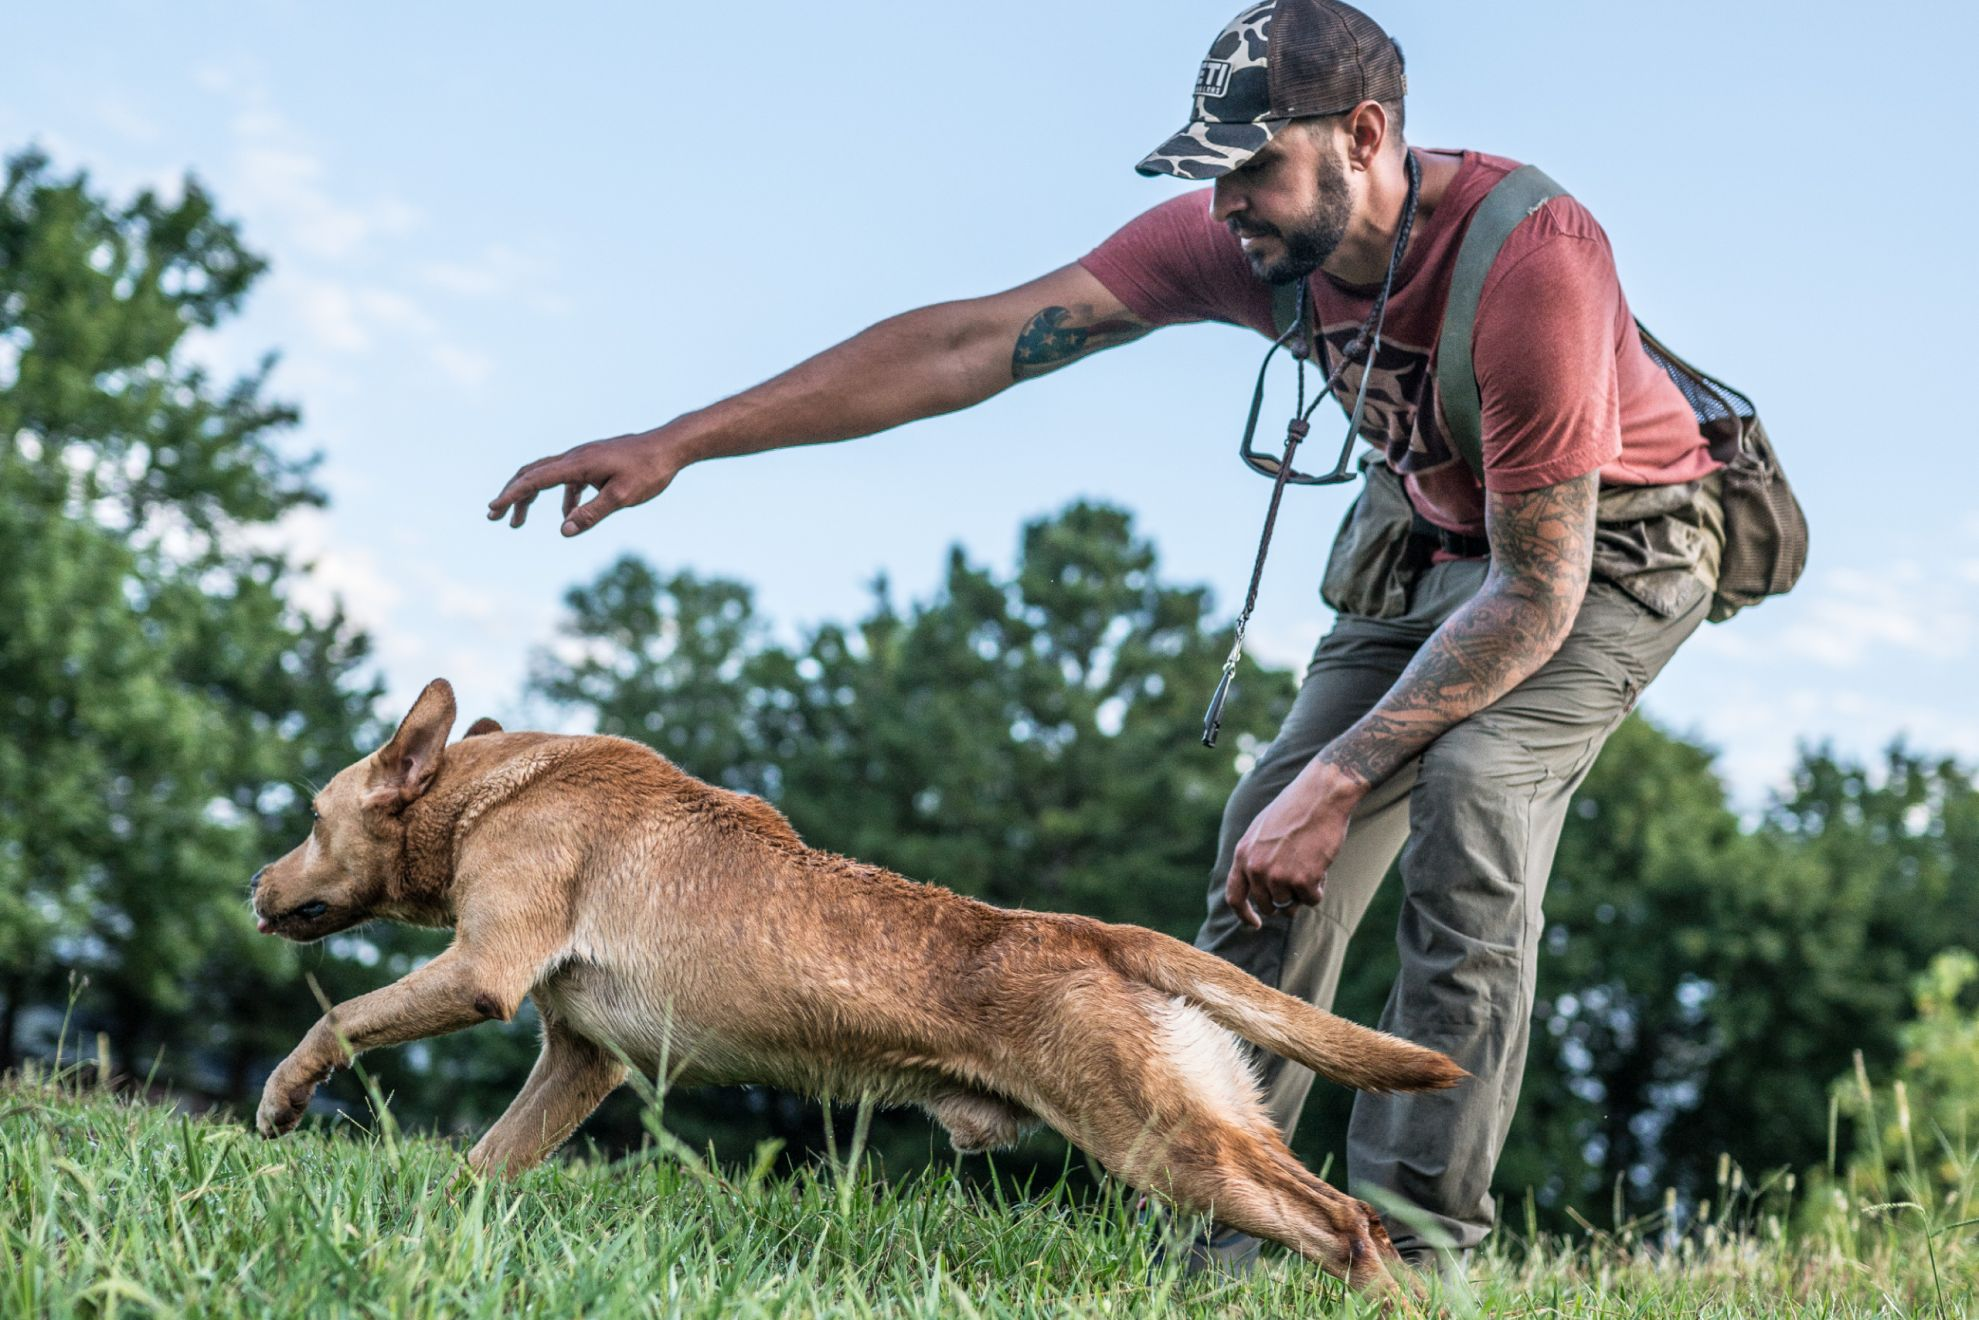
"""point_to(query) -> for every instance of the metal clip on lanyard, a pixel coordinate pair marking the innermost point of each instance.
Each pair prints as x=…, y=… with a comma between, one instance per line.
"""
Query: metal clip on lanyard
x=1369, y=339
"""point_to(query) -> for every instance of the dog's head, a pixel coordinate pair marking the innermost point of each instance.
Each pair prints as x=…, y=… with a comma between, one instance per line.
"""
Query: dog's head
x=352, y=862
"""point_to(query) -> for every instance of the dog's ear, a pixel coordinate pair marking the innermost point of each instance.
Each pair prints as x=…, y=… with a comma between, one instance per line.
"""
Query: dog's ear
x=406, y=765
x=481, y=726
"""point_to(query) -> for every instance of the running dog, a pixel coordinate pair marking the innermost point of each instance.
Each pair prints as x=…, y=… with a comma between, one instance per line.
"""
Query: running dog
x=687, y=930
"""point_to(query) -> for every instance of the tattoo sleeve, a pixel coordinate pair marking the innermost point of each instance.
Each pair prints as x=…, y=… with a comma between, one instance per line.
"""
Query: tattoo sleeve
x=1542, y=543
x=1058, y=335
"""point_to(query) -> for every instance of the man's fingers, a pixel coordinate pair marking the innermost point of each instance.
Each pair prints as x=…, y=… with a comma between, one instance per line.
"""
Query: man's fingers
x=520, y=513
x=586, y=516
x=1236, y=893
x=573, y=491
x=519, y=487
x=532, y=479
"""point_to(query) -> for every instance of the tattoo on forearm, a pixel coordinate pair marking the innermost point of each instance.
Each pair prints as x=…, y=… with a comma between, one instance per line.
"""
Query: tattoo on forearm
x=1542, y=543
x=1058, y=335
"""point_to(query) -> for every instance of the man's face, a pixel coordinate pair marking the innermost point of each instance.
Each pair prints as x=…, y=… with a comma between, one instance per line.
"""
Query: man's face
x=1290, y=204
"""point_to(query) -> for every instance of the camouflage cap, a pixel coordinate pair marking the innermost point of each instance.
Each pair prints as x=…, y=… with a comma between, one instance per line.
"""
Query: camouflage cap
x=1278, y=61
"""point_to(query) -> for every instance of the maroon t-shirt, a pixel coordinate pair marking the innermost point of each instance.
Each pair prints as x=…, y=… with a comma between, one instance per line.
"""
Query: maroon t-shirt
x=1565, y=386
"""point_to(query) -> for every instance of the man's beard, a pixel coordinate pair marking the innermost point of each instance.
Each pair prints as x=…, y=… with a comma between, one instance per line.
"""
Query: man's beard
x=1315, y=237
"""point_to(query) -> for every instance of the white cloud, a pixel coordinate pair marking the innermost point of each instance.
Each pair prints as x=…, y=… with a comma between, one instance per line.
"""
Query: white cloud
x=458, y=601
x=498, y=270
x=1849, y=615
x=1759, y=729
x=463, y=366
x=218, y=78
x=327, y=310
x=389, y=308
x=322, y=232
x=345, y=317
x=339, y=573
x=281, y=185
x=126, y=121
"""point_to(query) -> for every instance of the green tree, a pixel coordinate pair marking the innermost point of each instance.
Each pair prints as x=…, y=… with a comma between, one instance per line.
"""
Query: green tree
x=1862, y=874
x=163, y=699
x=1917, y=1138
x=1034, y=741
x=664, y=659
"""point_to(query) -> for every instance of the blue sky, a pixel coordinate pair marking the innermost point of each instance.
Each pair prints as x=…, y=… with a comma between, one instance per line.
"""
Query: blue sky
x=500, y=230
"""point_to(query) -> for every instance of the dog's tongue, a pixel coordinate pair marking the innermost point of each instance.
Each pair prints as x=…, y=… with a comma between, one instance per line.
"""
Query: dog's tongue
x=263, y=925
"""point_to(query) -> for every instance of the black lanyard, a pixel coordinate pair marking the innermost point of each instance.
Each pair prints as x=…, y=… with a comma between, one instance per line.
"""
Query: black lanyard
x=1368, y=341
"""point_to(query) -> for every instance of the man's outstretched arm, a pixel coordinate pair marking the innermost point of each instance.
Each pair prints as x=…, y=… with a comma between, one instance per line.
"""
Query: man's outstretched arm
x=919, y=364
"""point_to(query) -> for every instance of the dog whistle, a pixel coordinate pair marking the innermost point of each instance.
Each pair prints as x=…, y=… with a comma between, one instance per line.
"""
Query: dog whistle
x=1213, y=717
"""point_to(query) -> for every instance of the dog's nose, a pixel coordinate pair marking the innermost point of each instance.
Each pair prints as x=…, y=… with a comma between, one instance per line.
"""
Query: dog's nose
x=255, y=883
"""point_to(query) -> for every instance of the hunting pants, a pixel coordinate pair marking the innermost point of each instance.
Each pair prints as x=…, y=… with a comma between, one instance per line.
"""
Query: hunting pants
x=1475, y=818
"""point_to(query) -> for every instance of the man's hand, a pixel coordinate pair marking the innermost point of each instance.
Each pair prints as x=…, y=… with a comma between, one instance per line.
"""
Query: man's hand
x=1283, y=856
x=625, y=470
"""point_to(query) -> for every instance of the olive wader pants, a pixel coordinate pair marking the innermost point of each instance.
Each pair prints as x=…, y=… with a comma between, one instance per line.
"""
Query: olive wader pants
x=1475, y=818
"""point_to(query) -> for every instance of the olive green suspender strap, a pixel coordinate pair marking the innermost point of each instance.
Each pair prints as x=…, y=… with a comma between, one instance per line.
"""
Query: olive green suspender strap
x=1503, y=209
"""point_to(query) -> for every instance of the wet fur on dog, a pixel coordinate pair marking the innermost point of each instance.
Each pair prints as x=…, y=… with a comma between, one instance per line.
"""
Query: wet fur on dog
x=685, y=928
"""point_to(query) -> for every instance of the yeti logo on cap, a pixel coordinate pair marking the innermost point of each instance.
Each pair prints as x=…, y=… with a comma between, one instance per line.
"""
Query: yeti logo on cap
x=1213, y=79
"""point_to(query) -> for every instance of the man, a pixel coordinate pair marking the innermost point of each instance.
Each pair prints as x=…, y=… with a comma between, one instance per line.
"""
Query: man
x=1476, y=665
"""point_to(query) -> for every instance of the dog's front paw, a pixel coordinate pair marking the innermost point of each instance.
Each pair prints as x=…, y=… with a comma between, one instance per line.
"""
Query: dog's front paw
x=284, y=1100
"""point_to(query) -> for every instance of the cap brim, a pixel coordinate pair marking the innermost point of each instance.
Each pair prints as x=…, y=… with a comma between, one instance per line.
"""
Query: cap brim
x=1205, y=150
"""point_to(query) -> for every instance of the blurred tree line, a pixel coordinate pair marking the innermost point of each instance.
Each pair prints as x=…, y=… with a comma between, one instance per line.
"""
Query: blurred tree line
x=1028, y=738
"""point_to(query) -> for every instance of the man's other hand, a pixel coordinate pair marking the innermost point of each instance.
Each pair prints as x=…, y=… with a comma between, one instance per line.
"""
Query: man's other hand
x=1282, y=859
x=625, y=470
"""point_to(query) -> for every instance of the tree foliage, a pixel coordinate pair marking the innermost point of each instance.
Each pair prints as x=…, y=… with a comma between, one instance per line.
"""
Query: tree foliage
x=162, y=697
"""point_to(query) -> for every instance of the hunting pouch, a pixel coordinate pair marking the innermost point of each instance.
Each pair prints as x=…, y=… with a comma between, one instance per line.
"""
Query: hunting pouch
x=1738, y=533
x=1765, y=532
x=1375, y=555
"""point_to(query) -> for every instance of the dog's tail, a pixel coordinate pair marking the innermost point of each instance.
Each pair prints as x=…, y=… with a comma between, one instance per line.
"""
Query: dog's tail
x=1333, y=1047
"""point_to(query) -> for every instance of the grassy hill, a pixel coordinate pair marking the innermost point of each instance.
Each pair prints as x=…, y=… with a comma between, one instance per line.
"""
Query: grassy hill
x=109, y=1207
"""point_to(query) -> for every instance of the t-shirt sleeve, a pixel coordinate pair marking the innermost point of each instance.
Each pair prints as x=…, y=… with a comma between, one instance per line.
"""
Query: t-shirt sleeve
x=1175, y=263
x=1545, y=358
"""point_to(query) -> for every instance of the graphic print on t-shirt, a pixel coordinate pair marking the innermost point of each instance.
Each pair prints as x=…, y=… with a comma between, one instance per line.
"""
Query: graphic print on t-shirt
x=1398, y=419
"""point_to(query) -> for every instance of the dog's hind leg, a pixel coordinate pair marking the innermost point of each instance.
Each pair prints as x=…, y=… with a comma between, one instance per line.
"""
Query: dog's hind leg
x=1169, y=1105
x=571, y=1077
x=1248, y=1179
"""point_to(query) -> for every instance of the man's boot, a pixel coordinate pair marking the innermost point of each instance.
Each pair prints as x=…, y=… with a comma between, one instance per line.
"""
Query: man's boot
x=1211, y=1249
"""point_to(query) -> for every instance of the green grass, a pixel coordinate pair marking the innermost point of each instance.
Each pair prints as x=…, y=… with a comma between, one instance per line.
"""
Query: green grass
x=109, y=1207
